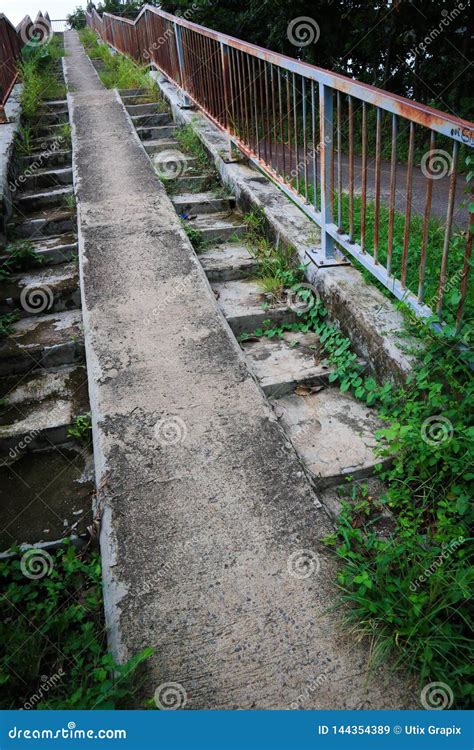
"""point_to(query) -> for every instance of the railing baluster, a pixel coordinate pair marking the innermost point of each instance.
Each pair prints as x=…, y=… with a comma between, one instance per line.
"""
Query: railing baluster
x=378, y=158
x=447, y=233
x=393, y=186
x=326, y=125
x=363, y=207
x=339, y=161
x=351, y=168
x=426, y=221
x=408, y=190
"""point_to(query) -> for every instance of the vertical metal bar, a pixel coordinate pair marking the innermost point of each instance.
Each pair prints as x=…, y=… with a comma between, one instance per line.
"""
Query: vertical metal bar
x=393, y=186
x=363, y=208
x=274, y=120
x=288, y=111
x=408, y=190
x=280, y=102
x=305, y=144
x=268, y=133
x=426, y=220
x=326, y=126
x=466, y=268
x=313, y=139
x=350, y=115
x=297, y=150
x=225, y=71
x=447, y=233
x=339, y=162
x=378, y=159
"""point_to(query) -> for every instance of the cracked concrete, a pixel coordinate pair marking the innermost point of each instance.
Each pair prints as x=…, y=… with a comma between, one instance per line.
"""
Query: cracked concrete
x=205, y=505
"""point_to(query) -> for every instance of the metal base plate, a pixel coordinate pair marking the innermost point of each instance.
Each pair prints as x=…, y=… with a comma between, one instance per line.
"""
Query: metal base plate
x=322, y=262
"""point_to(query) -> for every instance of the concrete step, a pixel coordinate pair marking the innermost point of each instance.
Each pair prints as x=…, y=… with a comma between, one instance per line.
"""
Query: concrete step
x=228, y=262
x=136, y=110
x=38, y=411
x=193, y=183
x=158, y=147
x=47, y=178
x=241, y=302
x=333, y=434
x=45, y=290
x=48, y=130
x=157, y=132
x=42, y=341
x=44, y=224
x=43, y=159
x=42, y=198
x=48, y=143
x=63, y=478
x=150, y=119
x=55, y=117
x=193, y=204
x=140, y=91
x=53, y=105
x=51, y=251
x=283, y=364
x=225, y=227
x=132, y=99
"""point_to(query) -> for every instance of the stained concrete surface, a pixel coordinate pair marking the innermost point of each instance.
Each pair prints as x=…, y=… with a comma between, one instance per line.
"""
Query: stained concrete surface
x=210, y=529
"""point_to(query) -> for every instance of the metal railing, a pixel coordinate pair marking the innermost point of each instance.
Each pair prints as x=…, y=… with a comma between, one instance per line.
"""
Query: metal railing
x=10, y=48
x=12, y=41
x=309, y=129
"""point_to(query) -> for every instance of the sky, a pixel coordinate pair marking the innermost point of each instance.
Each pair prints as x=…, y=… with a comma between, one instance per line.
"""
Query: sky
x=15, y=10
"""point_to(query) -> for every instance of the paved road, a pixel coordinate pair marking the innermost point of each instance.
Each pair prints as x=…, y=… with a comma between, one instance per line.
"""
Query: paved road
x=440, y=185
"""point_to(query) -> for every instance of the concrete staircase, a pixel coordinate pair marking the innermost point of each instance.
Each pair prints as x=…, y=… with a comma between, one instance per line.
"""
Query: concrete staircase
x=333, y=434
x=42, y=360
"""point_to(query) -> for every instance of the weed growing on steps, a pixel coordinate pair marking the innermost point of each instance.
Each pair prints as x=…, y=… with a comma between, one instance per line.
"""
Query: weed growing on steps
x=118, y=70
x=6, y=324
x=196, y=238
x=19, y=256
x=38, y=73
x=70, y=202
x=81, y=429
x=59, y=616
x=406, y=593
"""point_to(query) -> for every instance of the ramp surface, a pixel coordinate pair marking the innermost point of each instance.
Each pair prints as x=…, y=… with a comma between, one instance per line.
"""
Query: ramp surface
x=210, y=529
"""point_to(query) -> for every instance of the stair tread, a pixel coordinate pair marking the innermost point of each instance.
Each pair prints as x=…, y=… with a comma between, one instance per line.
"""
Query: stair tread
x=53, y=190
x=280, y=364
x=227, y=261
x=43, y=401
x=199, y=197
x=220, y=219
x=333, y=433
x=244, y=296
x=29, y=335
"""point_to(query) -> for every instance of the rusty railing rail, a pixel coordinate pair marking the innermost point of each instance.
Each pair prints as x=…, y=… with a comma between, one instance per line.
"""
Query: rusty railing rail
x=302, y=125
x=12, y=41
x=10, y=48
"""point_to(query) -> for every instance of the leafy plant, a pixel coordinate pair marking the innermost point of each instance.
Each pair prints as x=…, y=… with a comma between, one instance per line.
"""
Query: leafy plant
x=81, y=428
x=6, y=323
x=60, y=620
x=19, y=256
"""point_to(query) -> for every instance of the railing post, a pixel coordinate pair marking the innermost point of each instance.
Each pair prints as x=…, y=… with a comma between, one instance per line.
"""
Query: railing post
x=325, y=147
x=233, y=154
x=3, y=115
x=186, y=102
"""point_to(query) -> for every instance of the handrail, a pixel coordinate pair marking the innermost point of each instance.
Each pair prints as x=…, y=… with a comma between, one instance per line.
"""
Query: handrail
x=12, y=40
x=298, y=122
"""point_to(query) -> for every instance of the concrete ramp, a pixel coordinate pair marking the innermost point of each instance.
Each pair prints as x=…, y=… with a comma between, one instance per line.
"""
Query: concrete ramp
x=210, y=528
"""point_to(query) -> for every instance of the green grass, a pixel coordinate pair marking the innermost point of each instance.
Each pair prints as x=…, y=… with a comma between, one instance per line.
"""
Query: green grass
x=39, y=78
x=119, y=70
x=434, y=250
x=52, y=633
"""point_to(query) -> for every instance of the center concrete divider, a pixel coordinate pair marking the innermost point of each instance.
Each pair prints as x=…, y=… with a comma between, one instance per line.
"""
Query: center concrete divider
x=211, y=533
